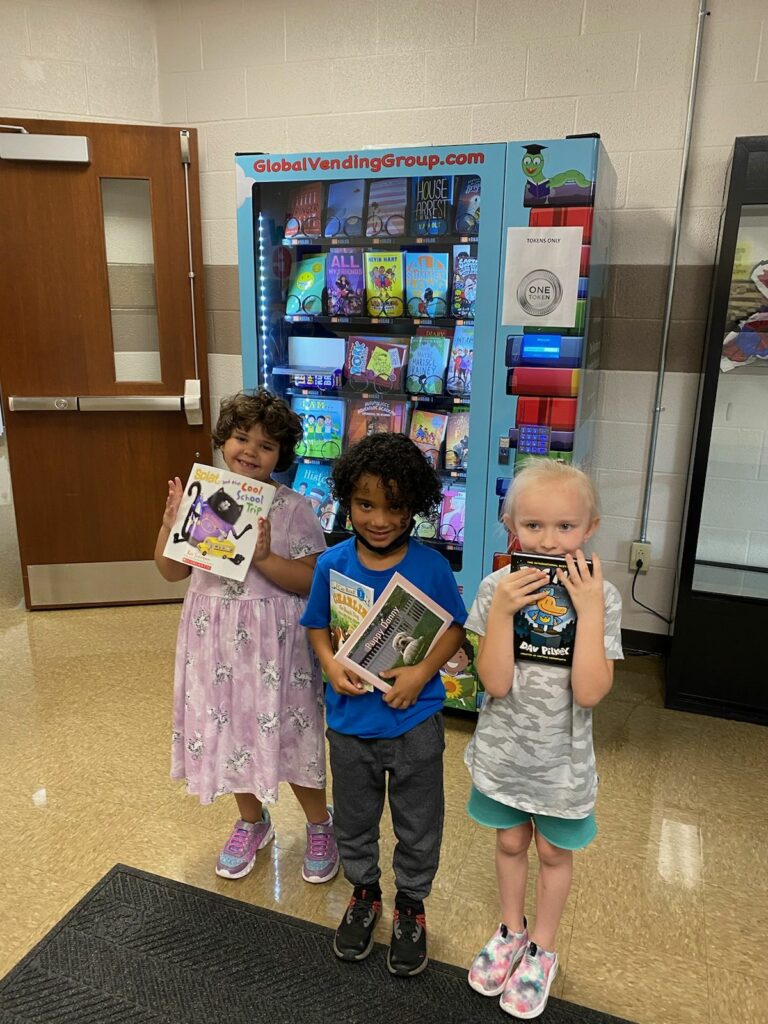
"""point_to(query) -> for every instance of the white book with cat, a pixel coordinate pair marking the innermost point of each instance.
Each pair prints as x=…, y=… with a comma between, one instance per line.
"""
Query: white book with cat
x=217, y=524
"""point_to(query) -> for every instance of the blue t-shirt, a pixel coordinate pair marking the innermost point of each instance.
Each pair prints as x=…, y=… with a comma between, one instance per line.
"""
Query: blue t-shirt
x=367, y=716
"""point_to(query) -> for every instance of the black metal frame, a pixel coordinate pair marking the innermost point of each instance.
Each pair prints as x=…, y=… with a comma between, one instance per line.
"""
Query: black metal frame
x=716, y=665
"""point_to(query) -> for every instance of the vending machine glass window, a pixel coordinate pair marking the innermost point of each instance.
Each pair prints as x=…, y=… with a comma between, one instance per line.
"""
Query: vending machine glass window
x=366, y=293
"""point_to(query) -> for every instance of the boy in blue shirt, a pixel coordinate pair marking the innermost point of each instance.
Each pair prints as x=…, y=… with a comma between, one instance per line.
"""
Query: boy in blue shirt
x=386, y=742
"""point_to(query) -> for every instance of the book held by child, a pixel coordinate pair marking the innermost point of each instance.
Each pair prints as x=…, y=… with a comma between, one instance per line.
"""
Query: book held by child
x=217, y=524
x=546, y=629
x=400, y=629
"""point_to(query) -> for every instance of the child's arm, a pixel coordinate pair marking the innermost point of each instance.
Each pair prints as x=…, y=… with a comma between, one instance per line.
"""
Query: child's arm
x=591, y=672
x=340, y=679
x=496, y=653
x=410, y=680
x=169, y=569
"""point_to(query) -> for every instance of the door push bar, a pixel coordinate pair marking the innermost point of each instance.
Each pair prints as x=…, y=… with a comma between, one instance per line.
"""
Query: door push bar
x=189, y=403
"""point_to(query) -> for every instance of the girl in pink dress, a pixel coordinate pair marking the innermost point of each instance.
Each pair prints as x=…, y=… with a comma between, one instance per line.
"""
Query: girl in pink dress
x=248, y=699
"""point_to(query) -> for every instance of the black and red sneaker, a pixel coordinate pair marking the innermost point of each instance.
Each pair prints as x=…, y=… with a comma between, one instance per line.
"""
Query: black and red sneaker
x=408, y=947
x=354, y=936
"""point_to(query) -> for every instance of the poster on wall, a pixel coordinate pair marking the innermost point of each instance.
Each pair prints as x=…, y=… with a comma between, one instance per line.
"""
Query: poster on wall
x=541, y=276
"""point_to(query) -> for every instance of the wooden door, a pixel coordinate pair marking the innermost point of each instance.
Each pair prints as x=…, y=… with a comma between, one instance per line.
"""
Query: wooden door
x=91, y=449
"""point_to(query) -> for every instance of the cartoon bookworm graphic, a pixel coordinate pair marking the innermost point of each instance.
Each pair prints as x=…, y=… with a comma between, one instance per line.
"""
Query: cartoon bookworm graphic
x=573, y=186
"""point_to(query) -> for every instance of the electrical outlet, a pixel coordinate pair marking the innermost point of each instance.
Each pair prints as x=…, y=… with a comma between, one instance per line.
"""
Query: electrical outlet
x=640, y=551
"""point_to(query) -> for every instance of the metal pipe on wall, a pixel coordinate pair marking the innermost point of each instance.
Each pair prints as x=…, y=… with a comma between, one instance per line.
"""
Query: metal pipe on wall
x=676, y=233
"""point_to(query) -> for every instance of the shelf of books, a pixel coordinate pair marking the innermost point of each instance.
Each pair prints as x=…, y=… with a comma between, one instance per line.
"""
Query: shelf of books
x=375, y=298
x=371, y=327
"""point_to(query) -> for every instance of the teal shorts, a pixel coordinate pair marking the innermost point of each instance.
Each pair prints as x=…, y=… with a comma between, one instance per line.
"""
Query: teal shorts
x=565, y=833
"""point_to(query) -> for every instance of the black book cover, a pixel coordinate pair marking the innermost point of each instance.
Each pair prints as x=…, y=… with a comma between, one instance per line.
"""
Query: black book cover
x=545, y=630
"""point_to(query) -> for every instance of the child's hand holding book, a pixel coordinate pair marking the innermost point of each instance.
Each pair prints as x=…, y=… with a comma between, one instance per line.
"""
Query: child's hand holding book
x=407, y=683
x=585, y=588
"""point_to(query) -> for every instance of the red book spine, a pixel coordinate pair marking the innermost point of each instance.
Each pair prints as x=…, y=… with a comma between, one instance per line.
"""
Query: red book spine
x=565, y=217
x=557, y=413
x=532, y=380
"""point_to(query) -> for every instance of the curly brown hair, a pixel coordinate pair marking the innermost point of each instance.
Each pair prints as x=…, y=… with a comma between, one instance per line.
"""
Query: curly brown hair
x=404, y=471
x=247, y=409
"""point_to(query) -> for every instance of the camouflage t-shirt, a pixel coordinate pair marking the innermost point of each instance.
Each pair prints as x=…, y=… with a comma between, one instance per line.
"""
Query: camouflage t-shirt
x=532, y=749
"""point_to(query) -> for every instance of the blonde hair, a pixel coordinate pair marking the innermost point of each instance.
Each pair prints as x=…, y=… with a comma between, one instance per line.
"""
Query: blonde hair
x=550, y=471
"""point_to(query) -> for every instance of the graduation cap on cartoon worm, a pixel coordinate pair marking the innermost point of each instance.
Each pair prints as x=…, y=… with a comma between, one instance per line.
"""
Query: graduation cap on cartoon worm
x=533, y=169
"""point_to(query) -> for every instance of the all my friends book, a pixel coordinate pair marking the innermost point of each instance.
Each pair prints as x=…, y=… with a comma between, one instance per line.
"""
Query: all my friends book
x=401, y=628
x=345, y=280
x=545, y=630
x=216, y=527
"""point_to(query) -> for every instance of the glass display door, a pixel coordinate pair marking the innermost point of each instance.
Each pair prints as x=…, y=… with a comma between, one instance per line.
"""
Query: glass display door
x=732, y=546
x=722, y=598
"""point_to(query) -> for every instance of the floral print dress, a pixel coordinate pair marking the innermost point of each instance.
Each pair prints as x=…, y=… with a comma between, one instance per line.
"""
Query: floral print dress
x=248, y=700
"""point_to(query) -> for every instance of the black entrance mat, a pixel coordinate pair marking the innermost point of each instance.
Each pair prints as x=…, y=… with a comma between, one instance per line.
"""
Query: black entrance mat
x=140, y=949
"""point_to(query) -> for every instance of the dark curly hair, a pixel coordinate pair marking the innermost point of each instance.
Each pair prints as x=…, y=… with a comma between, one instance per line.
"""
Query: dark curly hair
x=405, y=473
x=247, y=409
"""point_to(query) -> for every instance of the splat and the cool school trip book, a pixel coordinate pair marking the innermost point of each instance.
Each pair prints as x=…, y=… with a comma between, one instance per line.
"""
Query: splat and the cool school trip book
x=216, y=526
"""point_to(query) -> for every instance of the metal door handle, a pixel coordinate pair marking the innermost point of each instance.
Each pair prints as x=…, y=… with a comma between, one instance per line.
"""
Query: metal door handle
x=189, y=403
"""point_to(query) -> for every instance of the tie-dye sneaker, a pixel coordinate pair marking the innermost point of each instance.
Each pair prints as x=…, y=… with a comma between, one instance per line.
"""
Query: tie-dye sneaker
x=321, y=858
x=497, y=959
x=239, y=852
x=525, y=994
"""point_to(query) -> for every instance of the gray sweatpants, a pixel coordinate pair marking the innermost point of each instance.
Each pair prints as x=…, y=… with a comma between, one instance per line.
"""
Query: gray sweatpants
x=410, y=769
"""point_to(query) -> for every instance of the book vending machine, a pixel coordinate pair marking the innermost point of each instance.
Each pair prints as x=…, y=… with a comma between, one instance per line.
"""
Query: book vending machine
x=375, y=297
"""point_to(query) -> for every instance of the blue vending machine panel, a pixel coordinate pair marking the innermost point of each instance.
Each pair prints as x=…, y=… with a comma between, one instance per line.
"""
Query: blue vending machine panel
x=547, y=338
x=369, y=287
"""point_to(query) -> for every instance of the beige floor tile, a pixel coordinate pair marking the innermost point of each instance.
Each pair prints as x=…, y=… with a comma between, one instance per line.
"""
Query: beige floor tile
x=737, y=998
x=642, y=986
x=735, y=849
x=624, y=898
x=737, y=921
x=31, y=902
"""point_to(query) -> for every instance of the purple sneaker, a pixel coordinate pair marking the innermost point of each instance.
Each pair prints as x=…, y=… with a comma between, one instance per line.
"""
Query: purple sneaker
x=321, y=858
x=239, y=852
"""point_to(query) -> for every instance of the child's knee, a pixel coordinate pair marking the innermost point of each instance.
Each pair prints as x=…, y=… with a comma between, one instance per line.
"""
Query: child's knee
x=550, y=855
x=514, y=841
